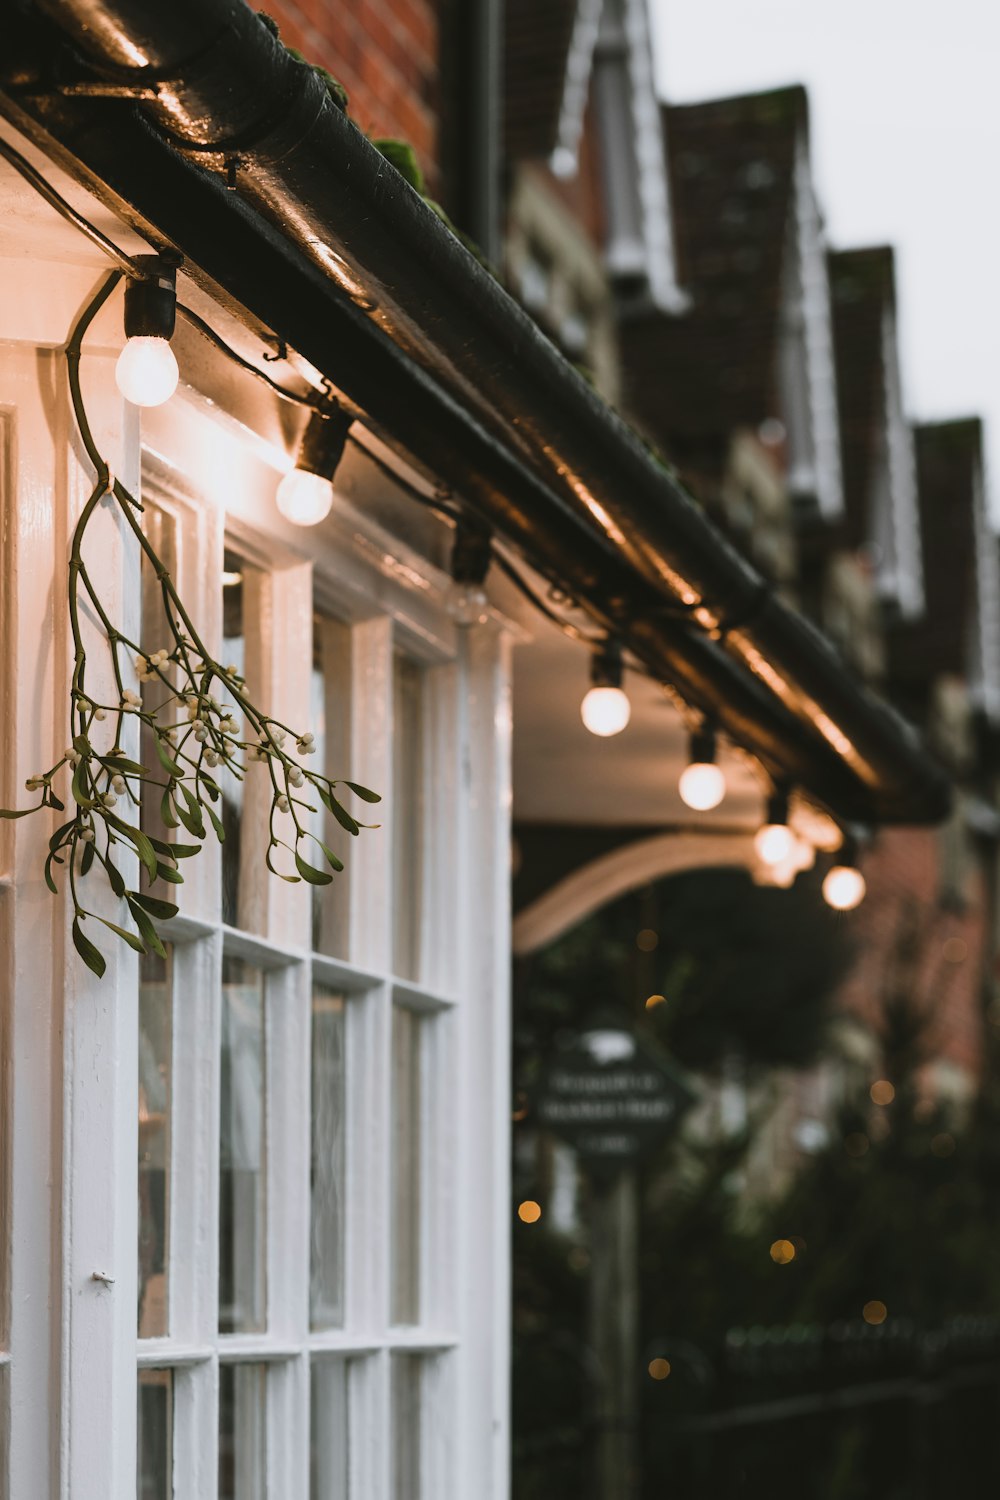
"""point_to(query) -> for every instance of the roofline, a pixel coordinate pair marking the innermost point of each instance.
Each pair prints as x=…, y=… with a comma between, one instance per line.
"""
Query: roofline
x=363, y=278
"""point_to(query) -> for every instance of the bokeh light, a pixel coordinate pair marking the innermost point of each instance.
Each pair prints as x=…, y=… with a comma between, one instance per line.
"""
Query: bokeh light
x=529, y=1212
x=875, y=1313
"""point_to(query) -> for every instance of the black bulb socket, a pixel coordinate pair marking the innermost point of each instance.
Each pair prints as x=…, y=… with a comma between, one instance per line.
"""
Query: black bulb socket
x=606, y=665
x=777, y=807
x=471, y=554
x=151, y=301
x=703, y=747
x=322, y=444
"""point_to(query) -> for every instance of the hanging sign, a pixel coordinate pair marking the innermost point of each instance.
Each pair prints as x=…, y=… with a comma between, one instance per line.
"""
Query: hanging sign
x=611, y=1096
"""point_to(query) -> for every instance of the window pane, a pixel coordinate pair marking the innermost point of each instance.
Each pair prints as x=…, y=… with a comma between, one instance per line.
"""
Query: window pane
x=406, y=1157
x=329, y=1082
x=242, y=1429
x=242, y=1187
x=155, y=1435
x=331, y=724
x=241, y=605
x=161, y=528
x=407, y=814
x=405, y=1396
x=155, y=1047
x=328, y=1430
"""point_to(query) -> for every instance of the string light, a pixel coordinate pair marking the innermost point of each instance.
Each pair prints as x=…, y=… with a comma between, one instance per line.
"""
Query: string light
x=605, y=709
x=774, y=842
x=702, y=784
x=146, y=372
x=844, y=885
x=305, y=495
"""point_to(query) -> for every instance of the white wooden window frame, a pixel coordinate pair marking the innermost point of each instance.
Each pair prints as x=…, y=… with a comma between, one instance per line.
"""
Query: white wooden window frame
x=73, y=1113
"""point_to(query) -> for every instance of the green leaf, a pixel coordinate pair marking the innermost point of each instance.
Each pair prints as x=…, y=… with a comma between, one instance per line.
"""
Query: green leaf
x=338, y=864
x=156, y=908
x=183, y=851
x=128, y=937
x=91, y=956
x=365, y=793
x=341, y=814
x=79, y=790
x=55, y=802
x=168, y=873
x=122, y=766
x=57, y=837
x=81, y=744
x=115, y=878
x=192, y=820
x=149, y=934
x=310, y=873
x=167, y=810
x=167, y=761
x=144, y=849
x=291, y=879
x=49, y=879
x=9, y=812
x=211, y=787
x=88, y=858
x=220, y=832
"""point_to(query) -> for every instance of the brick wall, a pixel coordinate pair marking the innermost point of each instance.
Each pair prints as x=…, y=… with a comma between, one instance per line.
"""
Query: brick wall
x=387, y=54
x=934, y=945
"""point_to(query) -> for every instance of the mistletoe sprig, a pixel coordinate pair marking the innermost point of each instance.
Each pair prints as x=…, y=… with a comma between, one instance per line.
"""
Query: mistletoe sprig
x=195, y=734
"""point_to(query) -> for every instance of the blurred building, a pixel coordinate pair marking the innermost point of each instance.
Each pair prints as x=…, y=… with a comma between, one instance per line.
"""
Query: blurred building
x=254, y=1188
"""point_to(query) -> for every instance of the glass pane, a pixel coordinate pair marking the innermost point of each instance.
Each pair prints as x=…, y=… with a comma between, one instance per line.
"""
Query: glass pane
x=328, y=1430
x=407, y=814
x=242, y=1432
x=406, y=1155
x=326, y=1280
x=406, y=1371
x=241, y=603
x=242, y=1184
x=155, y=1435
x=331, y=724
x=155, y=1048
x=161, y=528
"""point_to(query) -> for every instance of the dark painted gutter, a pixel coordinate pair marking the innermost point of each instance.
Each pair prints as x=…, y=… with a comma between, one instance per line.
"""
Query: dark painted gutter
x=324, y=242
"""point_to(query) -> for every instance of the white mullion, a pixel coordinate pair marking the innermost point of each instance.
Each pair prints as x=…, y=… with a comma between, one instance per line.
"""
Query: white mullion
x=370, y=855
x=34, y=714
x=99, y=1064
x=368, y=1263
x=196, y=1428
x=482, y=1080
x=287, y=1189
x=288, y=648
x=371, y=1418
x=194, y=1134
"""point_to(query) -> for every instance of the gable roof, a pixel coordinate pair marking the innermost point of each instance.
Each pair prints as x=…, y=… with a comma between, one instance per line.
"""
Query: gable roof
x=537, y=39
x=949, y=467
x=862, y=288
x=692, y=380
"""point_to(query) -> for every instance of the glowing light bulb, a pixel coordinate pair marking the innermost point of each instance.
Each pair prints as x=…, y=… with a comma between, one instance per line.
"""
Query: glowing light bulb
x=304, y=499
x=844, y=888
x=702, y=786
x=467, y=604
x=605, y=710
x=774, y=843
x=146, y=371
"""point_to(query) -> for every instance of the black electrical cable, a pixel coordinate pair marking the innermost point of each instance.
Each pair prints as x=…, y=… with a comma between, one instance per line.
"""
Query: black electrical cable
x=315, y=402
x=58, y=202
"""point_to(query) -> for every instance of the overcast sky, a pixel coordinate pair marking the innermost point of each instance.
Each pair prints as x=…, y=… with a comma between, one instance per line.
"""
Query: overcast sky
x=905, y=124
